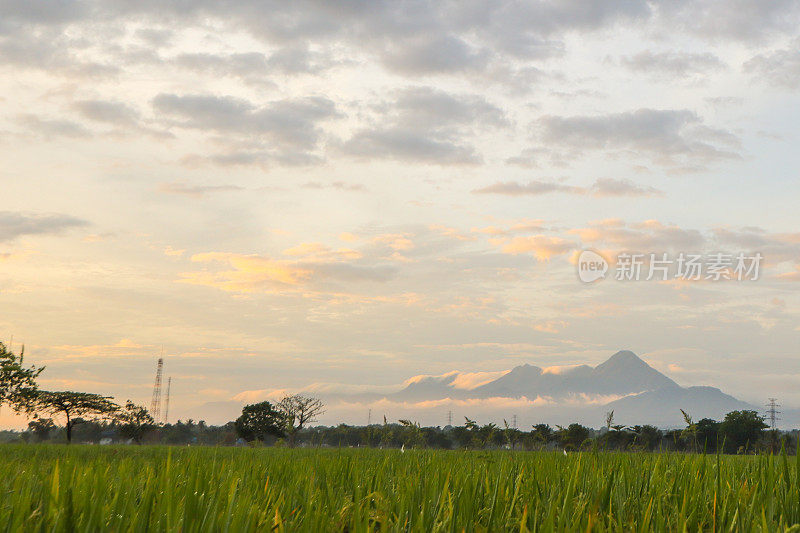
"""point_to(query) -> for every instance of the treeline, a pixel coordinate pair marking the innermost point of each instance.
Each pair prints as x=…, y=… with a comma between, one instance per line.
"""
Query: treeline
x=728, y=436
x=739, y=433
x=64, y=416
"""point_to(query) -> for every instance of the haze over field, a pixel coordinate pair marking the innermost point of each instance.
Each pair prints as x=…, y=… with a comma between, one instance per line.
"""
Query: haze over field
x=339, y=197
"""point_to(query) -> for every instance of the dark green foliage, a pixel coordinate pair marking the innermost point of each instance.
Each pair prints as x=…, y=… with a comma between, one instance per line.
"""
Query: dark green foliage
x=74, y=405
x=17, y=382
x=741, y=430
x=573, y=437
x=134, y=422
x=260, y=421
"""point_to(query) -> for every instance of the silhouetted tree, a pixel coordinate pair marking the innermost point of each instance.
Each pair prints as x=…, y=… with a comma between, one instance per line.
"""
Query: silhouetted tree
x=573, y=436
x=259, y=421
x=41, y=428
x=134, y=421
x=74, y=405
x=741, y=430
x=299, y=411
x=707, y=433
x=542, y=434
x=17, y=382
x=646, y=437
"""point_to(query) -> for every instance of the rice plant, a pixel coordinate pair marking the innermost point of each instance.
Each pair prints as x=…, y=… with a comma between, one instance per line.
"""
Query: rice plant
x=91, y=488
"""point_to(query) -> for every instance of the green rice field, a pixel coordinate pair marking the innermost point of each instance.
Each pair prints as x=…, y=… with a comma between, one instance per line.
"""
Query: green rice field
x=92, y=488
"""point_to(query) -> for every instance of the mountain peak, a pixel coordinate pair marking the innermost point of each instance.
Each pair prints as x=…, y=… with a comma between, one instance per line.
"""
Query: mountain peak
x=627, y=367
x=526, y=368
x=625, y=355
x=623, y=359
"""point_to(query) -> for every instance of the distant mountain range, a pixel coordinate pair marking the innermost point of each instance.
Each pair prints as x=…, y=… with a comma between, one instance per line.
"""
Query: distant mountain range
x=637, y=392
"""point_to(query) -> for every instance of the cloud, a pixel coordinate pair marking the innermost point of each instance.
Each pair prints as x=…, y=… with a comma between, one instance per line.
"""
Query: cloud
x=49, y=49
x=195, y=191
x=408, y=145
x=602, y=187
x=116, y=113
x=249, y=273
x=257, y=66
x=15, y=224
x=793, y=275
x=743, y=21
x=338, y=185
x=672, y=138
x=53, y=128
x=779, y=67
x=616, y=187
x=431, y=54
x=426, y=125
x=311, y=265
x=647, y=236
x=542, y=247
x=531, y=188
x=285, y=131
x=673, y=64
x=776, y=247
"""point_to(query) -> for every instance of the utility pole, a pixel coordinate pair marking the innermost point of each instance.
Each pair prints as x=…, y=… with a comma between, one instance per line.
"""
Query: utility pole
x=449, y=418
x=369, y=418
x=772, y=412
x=514, y=421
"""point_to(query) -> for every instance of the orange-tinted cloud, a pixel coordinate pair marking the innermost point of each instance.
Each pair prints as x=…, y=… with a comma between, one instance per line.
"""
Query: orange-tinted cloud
x=249, y=273
x=542, y=247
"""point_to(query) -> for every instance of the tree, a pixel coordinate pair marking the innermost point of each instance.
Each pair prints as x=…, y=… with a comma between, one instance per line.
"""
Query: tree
x=542, y=434
x=741, y=429
x=298, y=411
x=260, y=420
x=74, y=405
x=17, y=383
x=413, y=433
x=646, y=437
x=41, y=428
x=134, y=421
x=707, y=431
x=573, y=436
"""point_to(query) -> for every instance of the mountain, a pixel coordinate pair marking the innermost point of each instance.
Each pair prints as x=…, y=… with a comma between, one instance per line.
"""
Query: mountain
x=662, y=407
x=622, y=374
x=637, y=392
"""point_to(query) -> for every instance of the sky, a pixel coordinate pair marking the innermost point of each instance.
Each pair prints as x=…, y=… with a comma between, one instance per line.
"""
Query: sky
x=304, y=196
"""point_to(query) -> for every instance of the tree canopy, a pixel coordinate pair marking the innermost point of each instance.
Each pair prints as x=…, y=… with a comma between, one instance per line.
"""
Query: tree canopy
x=741, y=430
x=17, y=382
x=259, y=421
x=74, y=405
x=298, y=411
x=134, y=421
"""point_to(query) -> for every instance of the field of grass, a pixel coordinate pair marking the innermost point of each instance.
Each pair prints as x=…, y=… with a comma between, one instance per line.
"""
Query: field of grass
x=91, y=488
